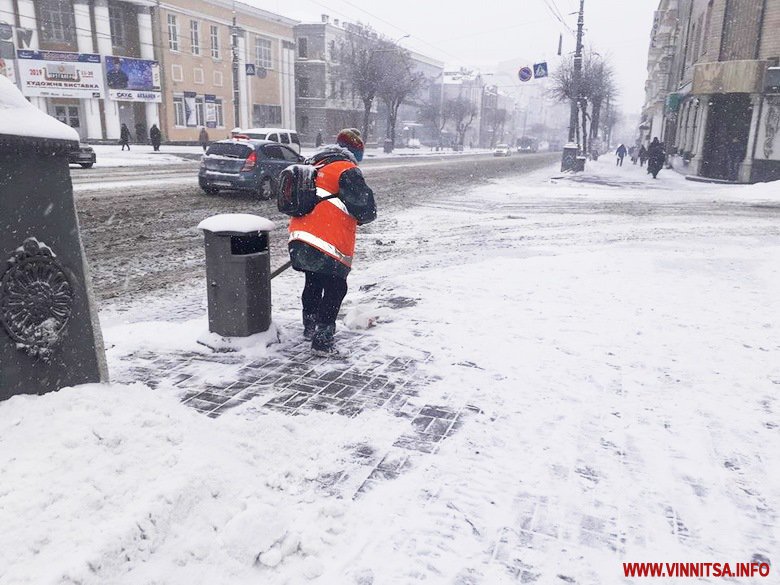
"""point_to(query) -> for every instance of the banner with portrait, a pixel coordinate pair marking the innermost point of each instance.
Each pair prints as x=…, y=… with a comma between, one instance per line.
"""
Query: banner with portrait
x=190, y=113
x=133, y=80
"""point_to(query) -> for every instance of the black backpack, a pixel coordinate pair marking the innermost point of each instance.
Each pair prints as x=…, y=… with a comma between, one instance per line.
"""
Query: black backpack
x=297, y=195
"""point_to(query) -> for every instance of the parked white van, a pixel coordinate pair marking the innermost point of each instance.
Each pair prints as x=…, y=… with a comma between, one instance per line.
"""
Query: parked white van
x=281, y=135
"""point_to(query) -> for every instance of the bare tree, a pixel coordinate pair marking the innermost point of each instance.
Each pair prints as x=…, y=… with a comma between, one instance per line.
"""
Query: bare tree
x=435, y=113
x=462, y=112
x=498, y=118
x=397, y=83
x=596, y=83
x=363, y=51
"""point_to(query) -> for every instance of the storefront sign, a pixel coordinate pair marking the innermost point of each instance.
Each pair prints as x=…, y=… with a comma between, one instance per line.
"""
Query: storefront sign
x=60, y=74
x=190, y=115
x=728, y=77
x=211, y=110
x=133, y=80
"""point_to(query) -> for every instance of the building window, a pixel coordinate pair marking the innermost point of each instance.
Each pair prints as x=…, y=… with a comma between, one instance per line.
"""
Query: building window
x=117, y=22
x=334, y=55
x=303, y=86
x=218, y=78
x=195, y=37
x=342, y=90
x=215, y=42
x=303, y=48
x=177, y=72
x=332, y=90
x=173, y=33
x=262, y=52
x=263, y=115
x=197, y=75
x=178, y=111
x=58, y=21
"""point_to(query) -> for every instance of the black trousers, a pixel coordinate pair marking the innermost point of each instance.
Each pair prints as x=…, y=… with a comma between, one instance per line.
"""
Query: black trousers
x=322, y=296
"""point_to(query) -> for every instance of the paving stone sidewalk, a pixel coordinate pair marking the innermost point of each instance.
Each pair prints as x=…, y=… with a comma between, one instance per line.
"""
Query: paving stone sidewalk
x=294, y=381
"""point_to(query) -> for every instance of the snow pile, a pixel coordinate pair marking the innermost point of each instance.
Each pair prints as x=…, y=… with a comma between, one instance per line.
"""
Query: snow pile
x=18, y=117
x=122, y=485
x=240, y=223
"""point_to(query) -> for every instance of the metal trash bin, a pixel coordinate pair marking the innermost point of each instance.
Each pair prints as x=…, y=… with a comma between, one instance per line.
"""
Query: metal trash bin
x=238, y=273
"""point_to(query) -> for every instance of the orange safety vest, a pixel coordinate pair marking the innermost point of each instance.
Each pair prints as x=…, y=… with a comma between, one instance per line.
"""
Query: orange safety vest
x=329, y=228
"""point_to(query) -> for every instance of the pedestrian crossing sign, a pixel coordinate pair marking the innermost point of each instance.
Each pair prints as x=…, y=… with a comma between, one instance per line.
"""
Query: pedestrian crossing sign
x=540, y=69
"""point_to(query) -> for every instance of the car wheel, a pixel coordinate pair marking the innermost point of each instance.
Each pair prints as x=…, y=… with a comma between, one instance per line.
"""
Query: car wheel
x=266, y=189
x=86, y=165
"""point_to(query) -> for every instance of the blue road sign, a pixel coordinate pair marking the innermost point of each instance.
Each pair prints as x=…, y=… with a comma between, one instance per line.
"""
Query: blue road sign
x=525, y=73
x=540, y=69
x=250, y=68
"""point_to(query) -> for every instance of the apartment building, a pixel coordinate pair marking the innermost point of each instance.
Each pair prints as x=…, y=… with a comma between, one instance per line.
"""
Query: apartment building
x=98, y=64
x=721, y=113
x=196, y=56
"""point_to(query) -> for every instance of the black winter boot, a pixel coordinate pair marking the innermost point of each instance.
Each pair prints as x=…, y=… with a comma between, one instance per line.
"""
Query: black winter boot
x=309, y=325
x=322, y=343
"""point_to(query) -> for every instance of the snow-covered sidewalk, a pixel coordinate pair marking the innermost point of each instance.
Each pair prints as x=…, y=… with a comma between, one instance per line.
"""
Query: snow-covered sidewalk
x=566, y=373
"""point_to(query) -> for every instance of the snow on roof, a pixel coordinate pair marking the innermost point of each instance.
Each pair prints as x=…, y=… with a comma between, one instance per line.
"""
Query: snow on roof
x=242, y=223
x=18, y=117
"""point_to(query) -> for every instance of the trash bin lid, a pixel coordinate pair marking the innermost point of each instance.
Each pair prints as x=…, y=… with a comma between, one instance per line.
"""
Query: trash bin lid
x=236, y=223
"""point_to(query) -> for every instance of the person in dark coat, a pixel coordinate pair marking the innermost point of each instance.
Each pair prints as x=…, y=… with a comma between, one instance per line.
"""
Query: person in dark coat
x=203, y=138
x=322, y=242
x=642, y=155
x=621, y=154
x=318, y=140
x=655, y=157
x=736, y=154
x=124, y=137
x=155, y=136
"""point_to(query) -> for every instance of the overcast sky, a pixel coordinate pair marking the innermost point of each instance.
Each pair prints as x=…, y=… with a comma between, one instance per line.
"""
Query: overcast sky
x=482, y=33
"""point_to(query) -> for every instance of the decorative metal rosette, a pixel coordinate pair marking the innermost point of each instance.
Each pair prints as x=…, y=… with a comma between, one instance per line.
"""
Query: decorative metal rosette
x=36, y=299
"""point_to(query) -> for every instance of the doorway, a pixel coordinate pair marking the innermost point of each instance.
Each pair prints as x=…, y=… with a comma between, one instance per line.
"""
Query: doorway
x=726, y=136
x=70, y=115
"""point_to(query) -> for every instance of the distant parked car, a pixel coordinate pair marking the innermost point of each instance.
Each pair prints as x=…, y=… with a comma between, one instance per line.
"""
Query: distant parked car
x=244, y=165
x=502, y=150
x=281, y=135
x=527, y=144
x=84, y=156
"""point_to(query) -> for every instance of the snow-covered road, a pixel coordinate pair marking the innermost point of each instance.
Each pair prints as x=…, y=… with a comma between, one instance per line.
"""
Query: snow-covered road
x=615, y=339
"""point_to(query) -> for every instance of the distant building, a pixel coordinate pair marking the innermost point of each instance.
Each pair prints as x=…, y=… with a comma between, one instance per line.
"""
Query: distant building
x=98, y=64
x=325, y=102
x=719, y=112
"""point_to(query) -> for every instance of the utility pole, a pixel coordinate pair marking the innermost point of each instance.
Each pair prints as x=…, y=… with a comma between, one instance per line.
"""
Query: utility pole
x=570, y=161
x=234, y=44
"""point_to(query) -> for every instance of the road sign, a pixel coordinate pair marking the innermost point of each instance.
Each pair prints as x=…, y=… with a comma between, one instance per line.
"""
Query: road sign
x=250, y=69
x=540, y=69
x=261, y=72
x=525, y=73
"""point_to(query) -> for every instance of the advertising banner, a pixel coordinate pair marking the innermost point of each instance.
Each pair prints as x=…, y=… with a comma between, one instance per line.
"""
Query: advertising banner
x=211, y=110
x=60, y=74
x=133, y=80
x=190, y=115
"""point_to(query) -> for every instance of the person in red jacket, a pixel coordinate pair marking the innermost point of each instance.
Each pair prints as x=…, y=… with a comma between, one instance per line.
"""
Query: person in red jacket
x=322, y=243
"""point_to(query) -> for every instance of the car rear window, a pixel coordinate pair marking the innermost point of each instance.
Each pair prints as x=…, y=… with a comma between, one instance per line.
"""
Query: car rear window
x=255, y=135
x=273, y=151
x=285, y=138
x=295, y=139
x=230, y=149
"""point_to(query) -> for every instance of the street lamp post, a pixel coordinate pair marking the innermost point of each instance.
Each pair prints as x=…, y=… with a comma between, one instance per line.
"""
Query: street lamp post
x=571, y=160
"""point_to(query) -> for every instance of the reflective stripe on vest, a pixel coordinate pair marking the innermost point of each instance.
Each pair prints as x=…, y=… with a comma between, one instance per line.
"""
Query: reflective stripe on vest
x=321, y=244
x=329, y=227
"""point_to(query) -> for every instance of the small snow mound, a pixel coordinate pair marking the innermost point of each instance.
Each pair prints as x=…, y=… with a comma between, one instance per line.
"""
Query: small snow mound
x=242, y=223
x=361, y=317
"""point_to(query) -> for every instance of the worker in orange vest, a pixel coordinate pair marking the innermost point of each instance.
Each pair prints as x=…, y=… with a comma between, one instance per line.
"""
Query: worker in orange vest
x=322, y=243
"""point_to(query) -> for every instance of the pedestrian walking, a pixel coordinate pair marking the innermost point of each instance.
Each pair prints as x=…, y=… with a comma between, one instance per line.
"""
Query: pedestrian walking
x=656, y=157
x=736, y=154
x=155, y=136
x=318, y=140
x=621, y=154
x=203, y=138
x=322, y=243
x=633, y=152
x=642, y=155
x=124, y=136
